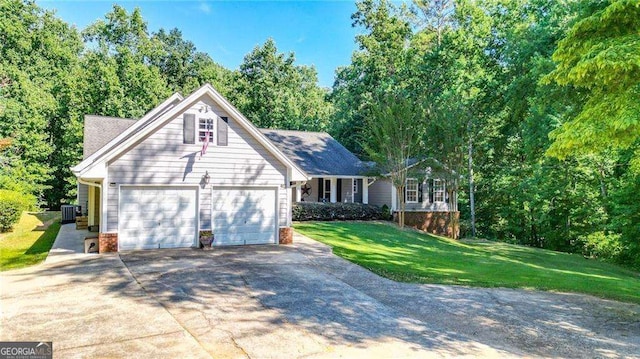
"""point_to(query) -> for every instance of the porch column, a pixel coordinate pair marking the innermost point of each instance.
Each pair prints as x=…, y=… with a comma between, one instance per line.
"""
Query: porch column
x=298, y=192
x=365, y=190
x=334, y=190
x=354, y=182
x=91, y=196
x=104, y=193
x=394, y=199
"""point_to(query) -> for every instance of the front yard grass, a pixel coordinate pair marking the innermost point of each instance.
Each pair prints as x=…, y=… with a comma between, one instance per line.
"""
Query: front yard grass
x=411, y=256
x=30, y=241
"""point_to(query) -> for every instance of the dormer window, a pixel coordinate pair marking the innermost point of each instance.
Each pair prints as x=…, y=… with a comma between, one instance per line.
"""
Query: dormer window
x=204, y=125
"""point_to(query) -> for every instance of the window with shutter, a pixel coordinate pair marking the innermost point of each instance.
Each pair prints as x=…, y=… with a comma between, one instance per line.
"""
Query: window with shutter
x=189, y=128
x=438, y=190
x=327, y=190
x=411, y=190
x=205, y=125
x=223, y=131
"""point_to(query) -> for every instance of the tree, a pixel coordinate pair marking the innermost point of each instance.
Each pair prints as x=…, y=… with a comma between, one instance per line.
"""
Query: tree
x=435, y=16
x=393, y=140
x=39, y=53
x=377, y=67
x=601, y=54
x=273, y=92
x=183, y=67
x=457, y=80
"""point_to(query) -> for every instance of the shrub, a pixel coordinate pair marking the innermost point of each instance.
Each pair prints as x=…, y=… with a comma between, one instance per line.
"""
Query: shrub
x=12, y=204
x=603, y=246
x=386, y=213
x=312, y=211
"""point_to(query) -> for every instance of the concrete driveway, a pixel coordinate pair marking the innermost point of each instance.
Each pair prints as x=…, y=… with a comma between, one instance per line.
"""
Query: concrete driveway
x=292, y=301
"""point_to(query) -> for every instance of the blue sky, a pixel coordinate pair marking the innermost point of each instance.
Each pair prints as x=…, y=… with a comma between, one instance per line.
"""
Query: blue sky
x=318, y=32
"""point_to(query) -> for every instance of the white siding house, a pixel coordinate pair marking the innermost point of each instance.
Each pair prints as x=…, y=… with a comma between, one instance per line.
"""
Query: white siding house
x=158, y=188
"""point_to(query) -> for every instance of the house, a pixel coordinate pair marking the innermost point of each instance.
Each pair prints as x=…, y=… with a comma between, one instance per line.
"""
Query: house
x=197, y=164
x=336, y=174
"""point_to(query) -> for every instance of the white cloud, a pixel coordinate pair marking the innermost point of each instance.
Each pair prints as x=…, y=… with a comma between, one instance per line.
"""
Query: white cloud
x=204, y=7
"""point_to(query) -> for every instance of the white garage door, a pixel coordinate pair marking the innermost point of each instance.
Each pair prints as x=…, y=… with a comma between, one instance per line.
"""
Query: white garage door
x=157, y=217
x=244, y=216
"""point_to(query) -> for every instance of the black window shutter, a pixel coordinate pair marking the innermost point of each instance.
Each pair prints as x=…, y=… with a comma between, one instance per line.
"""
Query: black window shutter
x=339, y=192
x=223, y=131
x=420, y=192
x=431, y=191
x=320, y=189
x=189, y=128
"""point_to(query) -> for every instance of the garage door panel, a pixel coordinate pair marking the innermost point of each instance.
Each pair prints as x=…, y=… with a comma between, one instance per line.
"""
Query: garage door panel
x=228, y=240
x=248, y=229
x=260, y=238
x=151, y=217
x=244, y=216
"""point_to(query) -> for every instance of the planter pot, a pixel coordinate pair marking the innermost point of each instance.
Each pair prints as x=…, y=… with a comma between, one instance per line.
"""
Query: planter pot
x=205, y=242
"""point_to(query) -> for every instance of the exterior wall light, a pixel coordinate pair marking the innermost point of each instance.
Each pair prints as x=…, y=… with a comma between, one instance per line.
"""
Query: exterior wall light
x=206, y=177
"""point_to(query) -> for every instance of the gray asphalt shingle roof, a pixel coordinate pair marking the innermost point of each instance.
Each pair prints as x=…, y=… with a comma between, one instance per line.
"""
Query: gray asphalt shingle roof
x=99, y=130
x=317, y=153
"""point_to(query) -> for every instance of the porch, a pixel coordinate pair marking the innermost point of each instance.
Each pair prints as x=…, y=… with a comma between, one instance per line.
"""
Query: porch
x=346, y=189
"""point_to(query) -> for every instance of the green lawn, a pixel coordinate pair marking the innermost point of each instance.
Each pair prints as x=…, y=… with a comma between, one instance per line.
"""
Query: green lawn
x=30, y=241
x=410, y=256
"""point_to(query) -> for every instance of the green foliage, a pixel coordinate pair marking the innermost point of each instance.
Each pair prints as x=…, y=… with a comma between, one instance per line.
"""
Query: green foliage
x=376, y=68
x=12, y=204
x=477, y=70
x=602, y=245
x=392, y=138
x=38, y=55
x=312, y=211
x=273, y=92
x=50, y=78
x=601, y=54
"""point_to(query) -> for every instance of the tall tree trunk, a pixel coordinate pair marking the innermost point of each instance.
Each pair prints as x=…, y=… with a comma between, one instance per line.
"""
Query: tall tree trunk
x=402, y=206
x=472, y=197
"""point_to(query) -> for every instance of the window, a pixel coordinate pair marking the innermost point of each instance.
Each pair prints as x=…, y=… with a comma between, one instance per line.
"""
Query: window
x=205, y=124
x=411, y=190
x=355, y=185
x=438, y=190
x=327, y=190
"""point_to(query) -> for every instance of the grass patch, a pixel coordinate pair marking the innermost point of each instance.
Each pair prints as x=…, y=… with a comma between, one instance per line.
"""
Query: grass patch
x=411, y=256
x=30, y=241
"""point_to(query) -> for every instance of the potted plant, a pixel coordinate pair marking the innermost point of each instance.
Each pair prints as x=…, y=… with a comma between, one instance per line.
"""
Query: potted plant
x=206, y=239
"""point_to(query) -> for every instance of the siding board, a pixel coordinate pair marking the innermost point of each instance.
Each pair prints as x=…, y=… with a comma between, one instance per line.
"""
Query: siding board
x=163, y=158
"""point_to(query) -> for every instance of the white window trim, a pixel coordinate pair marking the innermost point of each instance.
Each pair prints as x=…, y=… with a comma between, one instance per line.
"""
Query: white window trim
x=354, y=186
x=213, y=129
x=436, y=183
x=406, y=190
x=327, y=189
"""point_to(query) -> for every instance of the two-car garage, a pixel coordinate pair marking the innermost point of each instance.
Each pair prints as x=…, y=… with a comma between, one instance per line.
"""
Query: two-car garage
x=169, y=216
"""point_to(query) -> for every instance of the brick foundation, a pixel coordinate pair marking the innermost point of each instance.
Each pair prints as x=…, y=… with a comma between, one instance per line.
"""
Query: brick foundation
x=432, y=222
x=286, y=235
x=108, y=242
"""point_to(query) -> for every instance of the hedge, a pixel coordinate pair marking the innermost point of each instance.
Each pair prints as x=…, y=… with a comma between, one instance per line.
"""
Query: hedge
x=317, y=211
x=12, y=204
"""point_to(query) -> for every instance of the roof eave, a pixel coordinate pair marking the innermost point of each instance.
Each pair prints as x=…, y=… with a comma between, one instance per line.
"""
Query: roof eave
x=89, y=161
